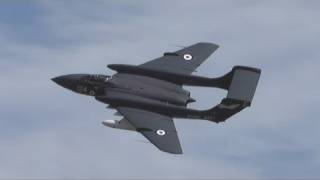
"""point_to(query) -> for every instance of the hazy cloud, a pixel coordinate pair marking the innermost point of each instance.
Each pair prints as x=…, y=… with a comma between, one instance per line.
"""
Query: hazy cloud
x=48, y=132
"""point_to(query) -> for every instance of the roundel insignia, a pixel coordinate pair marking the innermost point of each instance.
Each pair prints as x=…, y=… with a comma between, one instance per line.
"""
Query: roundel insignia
x=187, y=57
x=161, y=132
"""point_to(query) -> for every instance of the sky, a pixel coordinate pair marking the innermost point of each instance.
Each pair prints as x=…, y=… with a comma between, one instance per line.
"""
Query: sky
x=49, y=132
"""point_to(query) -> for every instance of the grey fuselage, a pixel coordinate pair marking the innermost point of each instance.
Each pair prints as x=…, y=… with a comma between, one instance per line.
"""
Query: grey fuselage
x=134, y=90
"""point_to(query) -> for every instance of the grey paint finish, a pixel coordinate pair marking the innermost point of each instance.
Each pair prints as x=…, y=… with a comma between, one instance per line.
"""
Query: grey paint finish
x=243, y=85
x=149, y=96
x=150, y=124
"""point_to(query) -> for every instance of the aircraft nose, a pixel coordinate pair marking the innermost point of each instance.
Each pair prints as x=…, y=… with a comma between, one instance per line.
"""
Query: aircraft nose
x=61, y=80
x=66, y=81
x=57, y=80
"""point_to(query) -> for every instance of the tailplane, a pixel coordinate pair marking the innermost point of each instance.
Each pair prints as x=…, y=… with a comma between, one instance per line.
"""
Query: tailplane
x=241, y=84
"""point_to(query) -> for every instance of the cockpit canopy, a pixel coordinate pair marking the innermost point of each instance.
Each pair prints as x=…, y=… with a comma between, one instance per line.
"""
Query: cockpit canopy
x=95, y=78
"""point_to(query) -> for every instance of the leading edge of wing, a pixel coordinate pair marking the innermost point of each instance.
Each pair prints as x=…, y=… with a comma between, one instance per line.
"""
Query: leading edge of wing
x=157, y=128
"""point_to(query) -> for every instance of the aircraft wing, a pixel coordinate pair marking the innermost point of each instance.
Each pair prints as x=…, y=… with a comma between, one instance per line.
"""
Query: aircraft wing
x=183, y=61
x=157, y=128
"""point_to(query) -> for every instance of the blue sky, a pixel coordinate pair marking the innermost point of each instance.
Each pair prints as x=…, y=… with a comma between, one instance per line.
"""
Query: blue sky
x=48, y=132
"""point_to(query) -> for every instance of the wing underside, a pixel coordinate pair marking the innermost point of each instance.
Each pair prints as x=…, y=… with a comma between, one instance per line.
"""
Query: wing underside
x=183, y=61
x=157, y=128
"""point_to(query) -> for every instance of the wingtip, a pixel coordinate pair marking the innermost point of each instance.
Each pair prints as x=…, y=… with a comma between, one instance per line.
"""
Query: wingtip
x=209, y=44
x=170, y=150
x=177, y=150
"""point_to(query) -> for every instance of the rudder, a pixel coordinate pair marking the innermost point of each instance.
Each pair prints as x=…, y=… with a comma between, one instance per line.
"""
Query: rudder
x=243, y=83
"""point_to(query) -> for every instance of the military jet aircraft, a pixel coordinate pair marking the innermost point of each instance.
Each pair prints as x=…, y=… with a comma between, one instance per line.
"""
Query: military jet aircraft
x=150, y=95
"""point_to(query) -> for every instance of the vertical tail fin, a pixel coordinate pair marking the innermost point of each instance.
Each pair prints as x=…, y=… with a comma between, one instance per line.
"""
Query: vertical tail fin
x=241, y=84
